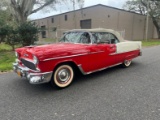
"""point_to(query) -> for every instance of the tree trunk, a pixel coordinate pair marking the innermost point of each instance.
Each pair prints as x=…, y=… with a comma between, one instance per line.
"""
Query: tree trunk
x=157, y=26
x=23, y=18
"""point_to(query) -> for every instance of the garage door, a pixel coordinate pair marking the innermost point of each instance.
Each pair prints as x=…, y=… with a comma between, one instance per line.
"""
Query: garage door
x=85, y=24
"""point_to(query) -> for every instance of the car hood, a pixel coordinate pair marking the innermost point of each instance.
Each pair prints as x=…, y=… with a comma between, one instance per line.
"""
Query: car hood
x=54, y=50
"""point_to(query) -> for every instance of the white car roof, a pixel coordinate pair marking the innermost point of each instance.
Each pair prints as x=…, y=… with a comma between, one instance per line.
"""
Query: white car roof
x=117, y=34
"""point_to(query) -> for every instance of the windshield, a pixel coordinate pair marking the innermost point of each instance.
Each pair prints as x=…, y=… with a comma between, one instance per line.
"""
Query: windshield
x=76, y=37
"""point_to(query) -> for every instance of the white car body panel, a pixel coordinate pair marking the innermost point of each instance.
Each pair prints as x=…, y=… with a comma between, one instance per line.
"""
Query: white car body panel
x=128, y=46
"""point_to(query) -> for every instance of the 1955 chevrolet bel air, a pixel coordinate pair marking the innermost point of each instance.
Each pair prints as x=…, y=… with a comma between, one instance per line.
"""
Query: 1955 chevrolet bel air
x=89, y=50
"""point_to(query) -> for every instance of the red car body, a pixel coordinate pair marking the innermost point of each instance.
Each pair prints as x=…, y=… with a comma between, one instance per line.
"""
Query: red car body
x=87, y=58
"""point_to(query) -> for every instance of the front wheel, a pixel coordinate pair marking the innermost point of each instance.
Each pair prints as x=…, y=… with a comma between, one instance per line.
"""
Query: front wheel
x=126, y=63
x=63, y=76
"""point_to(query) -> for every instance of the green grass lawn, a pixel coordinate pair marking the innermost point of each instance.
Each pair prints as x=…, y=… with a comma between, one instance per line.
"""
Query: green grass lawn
x=4, y=47
x=6, y=60
x=7, y=57
x=150, y=43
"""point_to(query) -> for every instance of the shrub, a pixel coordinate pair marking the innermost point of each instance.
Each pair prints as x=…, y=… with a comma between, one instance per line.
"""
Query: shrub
x=9, y=35
x=28, y=33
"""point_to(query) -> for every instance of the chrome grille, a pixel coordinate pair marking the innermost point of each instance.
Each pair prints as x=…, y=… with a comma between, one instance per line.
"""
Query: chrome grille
x=28, y=64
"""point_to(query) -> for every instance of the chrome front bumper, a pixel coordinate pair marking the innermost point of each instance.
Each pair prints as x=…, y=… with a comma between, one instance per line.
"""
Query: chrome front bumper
x=33, y=76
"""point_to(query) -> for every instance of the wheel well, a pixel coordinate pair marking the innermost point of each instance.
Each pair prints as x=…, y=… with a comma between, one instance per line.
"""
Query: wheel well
x=72, y=64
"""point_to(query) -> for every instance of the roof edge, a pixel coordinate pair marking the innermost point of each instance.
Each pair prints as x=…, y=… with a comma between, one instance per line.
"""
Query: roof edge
x=90, y=7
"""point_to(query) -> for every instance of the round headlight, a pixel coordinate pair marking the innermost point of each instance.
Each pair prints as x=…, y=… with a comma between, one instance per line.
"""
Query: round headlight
x=16, y=54
x=35, y=59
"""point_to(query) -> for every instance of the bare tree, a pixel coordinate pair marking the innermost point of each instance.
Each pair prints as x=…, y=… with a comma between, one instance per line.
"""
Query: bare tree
x=21, y=9
x=140, y=6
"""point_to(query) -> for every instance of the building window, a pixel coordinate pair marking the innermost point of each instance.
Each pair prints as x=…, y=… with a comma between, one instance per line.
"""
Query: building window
x=43, y=34
x=43, y=31
x=86, y=24
x=52, y=20
x=65, y=17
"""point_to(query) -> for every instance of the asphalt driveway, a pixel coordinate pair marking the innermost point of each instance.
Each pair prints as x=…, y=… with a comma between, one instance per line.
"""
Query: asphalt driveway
x=112, y=94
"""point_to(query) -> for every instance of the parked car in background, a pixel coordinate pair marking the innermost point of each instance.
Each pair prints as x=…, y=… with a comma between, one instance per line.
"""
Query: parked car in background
x=88, y=50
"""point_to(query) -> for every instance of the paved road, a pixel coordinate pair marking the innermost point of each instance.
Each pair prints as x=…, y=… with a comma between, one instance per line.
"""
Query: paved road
x=113, y=94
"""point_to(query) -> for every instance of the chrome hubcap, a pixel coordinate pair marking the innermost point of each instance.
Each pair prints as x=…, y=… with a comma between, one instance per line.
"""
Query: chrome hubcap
x=63, y=75
x=127, y=62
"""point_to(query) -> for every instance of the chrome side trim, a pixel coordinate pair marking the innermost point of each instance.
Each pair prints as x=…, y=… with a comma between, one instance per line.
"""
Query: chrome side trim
x=64, y=57
x=81, y=69
x=72, y=56
x=114, y=53
x=86, y=73
x=97, y=52
x=115, y=65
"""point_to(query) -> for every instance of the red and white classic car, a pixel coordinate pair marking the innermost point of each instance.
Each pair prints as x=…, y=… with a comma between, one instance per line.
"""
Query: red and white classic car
x=88, y=50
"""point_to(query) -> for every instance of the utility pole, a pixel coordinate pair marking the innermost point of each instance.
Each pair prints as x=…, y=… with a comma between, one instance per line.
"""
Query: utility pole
x=147, y=20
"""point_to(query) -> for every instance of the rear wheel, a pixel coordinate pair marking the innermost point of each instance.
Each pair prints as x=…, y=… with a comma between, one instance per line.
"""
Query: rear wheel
x=63, y=76
x=126, y=63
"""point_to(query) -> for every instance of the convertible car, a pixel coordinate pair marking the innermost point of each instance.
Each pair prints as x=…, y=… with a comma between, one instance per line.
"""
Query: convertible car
x=88, y=50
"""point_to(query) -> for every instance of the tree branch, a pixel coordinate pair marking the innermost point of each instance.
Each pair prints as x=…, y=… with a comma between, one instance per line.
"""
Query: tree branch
x=41, y=7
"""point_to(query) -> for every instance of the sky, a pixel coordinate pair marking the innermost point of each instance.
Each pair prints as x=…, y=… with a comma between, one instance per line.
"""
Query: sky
x=67, y=7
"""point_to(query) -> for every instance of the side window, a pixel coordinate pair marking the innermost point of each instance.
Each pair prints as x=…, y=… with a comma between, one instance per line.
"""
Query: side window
x=103, y=37
x=113, y=39
x=94, y=38
x=85, y=38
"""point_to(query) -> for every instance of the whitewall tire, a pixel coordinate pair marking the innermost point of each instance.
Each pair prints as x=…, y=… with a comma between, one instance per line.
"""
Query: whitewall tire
x=63, y=76
x=126, y=63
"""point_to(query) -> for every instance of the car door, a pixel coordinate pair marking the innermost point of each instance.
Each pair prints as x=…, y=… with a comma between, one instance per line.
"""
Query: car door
x=100, y=55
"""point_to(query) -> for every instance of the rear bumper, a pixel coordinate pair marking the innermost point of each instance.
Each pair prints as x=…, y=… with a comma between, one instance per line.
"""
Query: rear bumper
x=33, y=76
